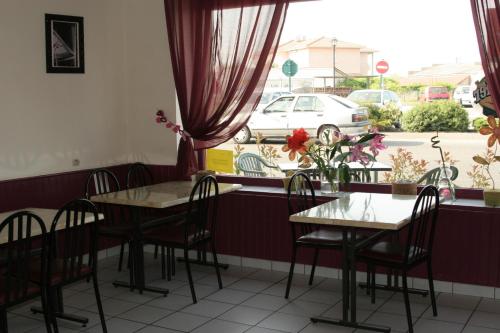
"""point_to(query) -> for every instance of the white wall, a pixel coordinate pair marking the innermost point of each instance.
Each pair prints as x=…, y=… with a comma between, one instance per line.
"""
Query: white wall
x=48, y=120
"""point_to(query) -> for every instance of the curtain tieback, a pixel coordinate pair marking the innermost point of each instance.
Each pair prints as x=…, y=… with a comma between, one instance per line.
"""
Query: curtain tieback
x=161, y=118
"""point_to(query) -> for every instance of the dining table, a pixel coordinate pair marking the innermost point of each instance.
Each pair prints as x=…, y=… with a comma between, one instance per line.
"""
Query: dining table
x=362, y=171
x=351, y=213
x=156, y=196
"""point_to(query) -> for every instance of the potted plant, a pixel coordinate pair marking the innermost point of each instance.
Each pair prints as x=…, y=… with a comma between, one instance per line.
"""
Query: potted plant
x=405, y=172
x=491, y=195
x=331, y=154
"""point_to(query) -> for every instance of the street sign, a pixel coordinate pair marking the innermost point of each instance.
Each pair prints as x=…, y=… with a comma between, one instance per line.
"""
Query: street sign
x=290, y=68
x=382, y=67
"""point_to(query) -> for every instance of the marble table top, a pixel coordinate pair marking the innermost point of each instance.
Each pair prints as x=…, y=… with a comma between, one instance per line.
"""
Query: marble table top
x=160, y=195
x=362, y=210
x=47, y=215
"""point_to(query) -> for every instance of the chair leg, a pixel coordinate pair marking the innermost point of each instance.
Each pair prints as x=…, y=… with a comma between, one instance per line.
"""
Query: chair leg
x=131, y=260
x=172, y=260
x=372, y=283
x=368, y=280
x=313, y=268
x=190, y=277
x=431, y=288
x=4, y=328
x=120, y=260
x=407, y=302
x=163, y=271
x=169, y=263
x=290, y=274
x=216, y=264
x=156, y=251
x=46, y=311
x=99, y=303
x=55, y=305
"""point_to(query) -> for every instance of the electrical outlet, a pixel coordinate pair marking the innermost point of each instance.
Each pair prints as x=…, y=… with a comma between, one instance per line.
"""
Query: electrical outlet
x=76, y=162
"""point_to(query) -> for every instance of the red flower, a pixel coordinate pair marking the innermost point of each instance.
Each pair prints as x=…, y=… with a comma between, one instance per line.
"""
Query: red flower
x=296, y=143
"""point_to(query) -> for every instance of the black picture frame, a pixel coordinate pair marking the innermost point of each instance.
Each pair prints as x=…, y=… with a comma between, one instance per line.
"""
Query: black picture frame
x=64, y=44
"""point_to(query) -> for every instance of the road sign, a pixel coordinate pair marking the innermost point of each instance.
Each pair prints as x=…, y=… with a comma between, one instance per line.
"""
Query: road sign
x=290, y=68
x=382, y=67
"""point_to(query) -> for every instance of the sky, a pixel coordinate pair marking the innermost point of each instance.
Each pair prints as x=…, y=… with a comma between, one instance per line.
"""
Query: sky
x=409, y=34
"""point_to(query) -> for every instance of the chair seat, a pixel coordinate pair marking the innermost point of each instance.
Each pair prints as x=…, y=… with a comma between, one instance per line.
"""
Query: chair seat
x=32, y=291
x=57, y=271
x=173, y=237
x=322, y=236
x=122, y=230
x=391, y=252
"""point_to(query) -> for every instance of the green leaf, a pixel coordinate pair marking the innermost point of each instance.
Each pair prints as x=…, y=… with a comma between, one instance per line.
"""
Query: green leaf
x=342, y=157
x=367, y=137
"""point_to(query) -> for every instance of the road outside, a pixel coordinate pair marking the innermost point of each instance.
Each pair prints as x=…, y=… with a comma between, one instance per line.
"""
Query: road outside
x=462, y=147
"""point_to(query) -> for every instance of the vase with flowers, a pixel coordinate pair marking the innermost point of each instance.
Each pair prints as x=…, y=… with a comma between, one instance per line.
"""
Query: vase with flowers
x=491, y=195
x=330, y=155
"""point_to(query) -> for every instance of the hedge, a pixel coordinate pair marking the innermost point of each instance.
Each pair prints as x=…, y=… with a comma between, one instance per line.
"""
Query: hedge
x=447, y=116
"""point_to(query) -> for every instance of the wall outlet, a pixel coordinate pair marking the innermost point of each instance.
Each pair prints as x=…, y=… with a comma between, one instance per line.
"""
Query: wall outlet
x=76, y=162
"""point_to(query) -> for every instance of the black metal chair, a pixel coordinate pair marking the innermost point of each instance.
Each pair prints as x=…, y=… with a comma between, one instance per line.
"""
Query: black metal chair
x=416, y=250
x=66, y=255
x=301, y=197
x=197, y=229
x=22, y=260
x=431, y=177
x=101, y=181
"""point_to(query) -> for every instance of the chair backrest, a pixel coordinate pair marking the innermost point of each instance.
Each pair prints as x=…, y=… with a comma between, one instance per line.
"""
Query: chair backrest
x=422, y=225
x=21, y=252
x=79, y=237
x=139, y=175
x=101, y=181
x=252, y=165
x=202, y=209
x=432, y=176
x=300, y=194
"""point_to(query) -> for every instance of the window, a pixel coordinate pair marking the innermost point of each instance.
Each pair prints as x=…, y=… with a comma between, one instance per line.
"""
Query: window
x=281, y=105
x=309, y=104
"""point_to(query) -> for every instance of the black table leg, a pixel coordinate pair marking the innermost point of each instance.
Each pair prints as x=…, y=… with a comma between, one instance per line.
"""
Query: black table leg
x=137, y=260
x=349, y=288
x=56, y=303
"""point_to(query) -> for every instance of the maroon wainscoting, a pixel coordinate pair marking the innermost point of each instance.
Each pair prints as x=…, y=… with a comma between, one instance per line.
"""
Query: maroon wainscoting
x=466, y=246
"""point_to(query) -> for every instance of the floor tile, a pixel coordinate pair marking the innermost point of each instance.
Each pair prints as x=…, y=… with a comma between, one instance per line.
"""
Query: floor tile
x=271, y=276
x=113, y=307
x=321, y=296
x=251, y=285
x=145, y=314
x=477, y=329
x=458, y=301
x=266, y=302
x=335, y=312
x=201, y=290
x=285, y=322
x=23, y=324
x=396, y=322
x=489, y=305
x=434, y=326
x=81, y=300
x=207, y=308
x=211, y=280
x=302, y=280
x=184, y=322
x=257, y=329
x=221, y=326
x=118, y=325
x=171, y=302
x=156, y=329
x=485, y=319
x=245, y=315
x=280, y=289
x=304, y=308
x=135, y=297
x=325, y=328
x=230, y=296
x=399, y=308
x=446, y=313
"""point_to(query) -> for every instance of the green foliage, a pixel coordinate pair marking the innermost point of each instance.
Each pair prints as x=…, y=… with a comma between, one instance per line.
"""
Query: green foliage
x=479, y=122
x=445, y=116
x=383, y=117
x=411, y=87
x=389, y=84
x=355, y=84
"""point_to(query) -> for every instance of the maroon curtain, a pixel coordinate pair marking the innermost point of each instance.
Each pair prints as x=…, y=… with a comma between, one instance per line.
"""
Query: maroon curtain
x=487, y=21
x=221, y=56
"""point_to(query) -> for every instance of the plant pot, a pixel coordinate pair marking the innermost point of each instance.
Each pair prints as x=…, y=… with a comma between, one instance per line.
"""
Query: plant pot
x=404, y=188
x=491, y=197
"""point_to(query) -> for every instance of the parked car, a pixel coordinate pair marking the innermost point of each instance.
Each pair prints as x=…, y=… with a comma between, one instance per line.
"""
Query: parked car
x=270, y=95
x=316, y=113
x=435, y=93
x=463, y=95
x=374, y=96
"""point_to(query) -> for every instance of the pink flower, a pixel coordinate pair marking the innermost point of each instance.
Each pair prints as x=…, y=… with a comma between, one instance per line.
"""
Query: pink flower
x=376, y=144
x=358, y=155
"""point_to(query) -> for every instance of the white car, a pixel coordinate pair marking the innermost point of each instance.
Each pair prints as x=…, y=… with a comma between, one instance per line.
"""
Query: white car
x=374, y=96
x=316, y=113
x=270, y=95
x=463, y=95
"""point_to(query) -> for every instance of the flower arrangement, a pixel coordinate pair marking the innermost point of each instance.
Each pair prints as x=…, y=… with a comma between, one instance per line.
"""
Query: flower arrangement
x=405, y=169
x=335, y=147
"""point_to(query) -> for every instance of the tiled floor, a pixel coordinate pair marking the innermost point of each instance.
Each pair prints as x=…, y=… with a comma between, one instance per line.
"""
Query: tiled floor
x=252, y=301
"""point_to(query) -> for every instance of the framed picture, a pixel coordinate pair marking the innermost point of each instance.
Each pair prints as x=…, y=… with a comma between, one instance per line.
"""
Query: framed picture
x=64, y=45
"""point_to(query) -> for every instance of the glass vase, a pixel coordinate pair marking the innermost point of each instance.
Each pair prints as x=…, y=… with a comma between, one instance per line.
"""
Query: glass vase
x=329, y=182
x=445, y=186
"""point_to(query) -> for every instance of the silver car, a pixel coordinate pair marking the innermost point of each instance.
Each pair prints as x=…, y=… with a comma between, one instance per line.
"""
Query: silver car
x=316, y=113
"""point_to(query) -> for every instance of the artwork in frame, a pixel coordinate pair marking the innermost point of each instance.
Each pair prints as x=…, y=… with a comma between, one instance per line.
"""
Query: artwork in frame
x=64, y=44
